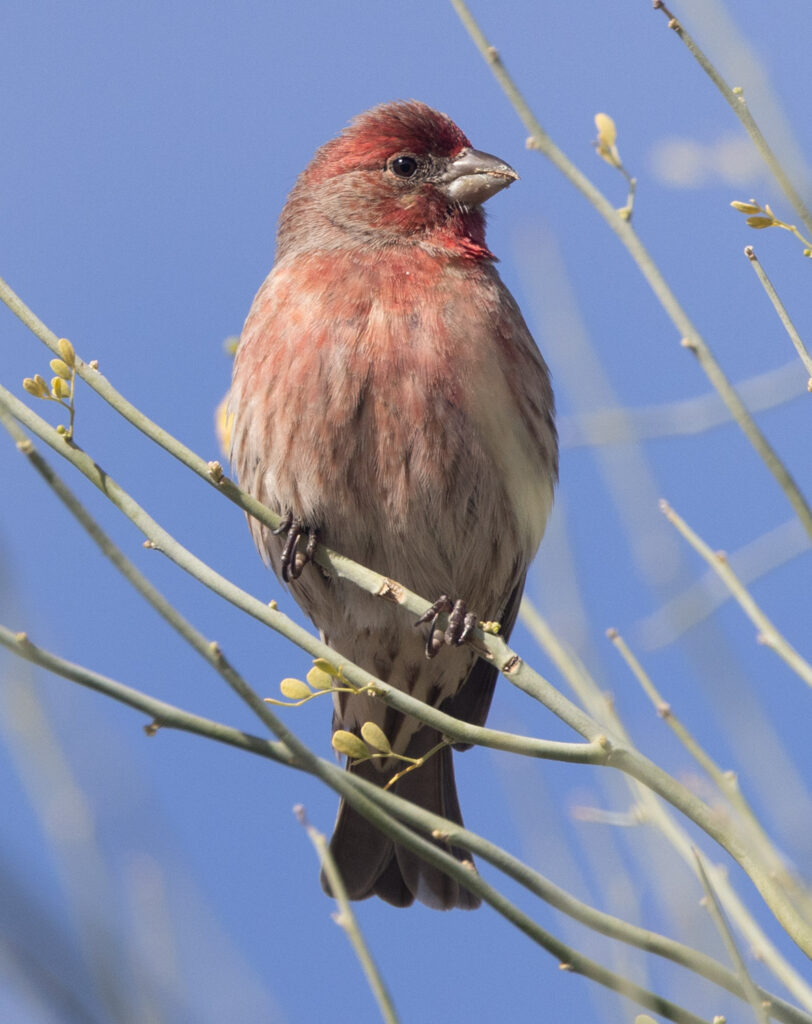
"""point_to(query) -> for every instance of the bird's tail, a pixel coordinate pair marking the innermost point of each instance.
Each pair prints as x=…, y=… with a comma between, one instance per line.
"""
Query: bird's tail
x=372, y=864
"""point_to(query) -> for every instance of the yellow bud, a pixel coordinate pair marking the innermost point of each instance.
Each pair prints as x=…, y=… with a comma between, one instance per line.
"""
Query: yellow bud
x=43, y=387
x=350, y=744
x=760, y=222
x=751, y=207
x=294, y=689
x=607, y=136
x=223, y=425
x=607, y=130
x=32, y=387
x=376, y=737
x=326, y=666
x=60, y=388
x=66, y=351
x=319, y=679
x=61, y=369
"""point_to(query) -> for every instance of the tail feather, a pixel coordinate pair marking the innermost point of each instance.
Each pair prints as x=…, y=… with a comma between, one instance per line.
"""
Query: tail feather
x=432, y=786
x=361, y=853
x=370, y=863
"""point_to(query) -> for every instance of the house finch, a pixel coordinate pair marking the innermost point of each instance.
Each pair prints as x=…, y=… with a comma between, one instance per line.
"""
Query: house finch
x=389, y=400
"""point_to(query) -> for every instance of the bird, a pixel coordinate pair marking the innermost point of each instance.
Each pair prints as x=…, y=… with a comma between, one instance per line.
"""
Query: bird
x=389, y=401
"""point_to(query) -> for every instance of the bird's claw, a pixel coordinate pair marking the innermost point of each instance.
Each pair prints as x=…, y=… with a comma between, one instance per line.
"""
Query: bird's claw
x=461, y=624
x=292, y=560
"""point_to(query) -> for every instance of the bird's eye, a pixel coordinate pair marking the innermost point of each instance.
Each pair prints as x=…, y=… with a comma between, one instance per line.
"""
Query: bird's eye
x=403, y=166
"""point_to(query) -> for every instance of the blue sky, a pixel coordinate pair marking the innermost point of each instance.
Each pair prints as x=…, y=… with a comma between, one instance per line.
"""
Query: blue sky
x=147, y=151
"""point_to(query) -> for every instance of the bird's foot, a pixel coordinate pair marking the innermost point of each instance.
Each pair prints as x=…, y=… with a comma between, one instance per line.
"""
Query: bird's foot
x=293, y=560
x=461, y=624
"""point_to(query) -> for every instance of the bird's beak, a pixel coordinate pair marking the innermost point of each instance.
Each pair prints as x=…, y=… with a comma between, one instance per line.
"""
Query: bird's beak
x=472, y=177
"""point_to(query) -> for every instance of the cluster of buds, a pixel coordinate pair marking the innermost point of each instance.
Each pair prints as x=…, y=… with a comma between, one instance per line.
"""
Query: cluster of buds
x=759, y=217
x=371, y=743
x=62, y=383
x=322, y=678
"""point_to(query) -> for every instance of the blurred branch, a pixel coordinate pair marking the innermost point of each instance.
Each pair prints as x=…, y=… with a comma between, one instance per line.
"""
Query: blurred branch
x=37, y=952
x=781, y=310
x=768, y=634
x=736, y=101
x=162, y=714
x=346, y=919
x=697, y=601
x=115, y=983
x=691, y=338
x=687, y=416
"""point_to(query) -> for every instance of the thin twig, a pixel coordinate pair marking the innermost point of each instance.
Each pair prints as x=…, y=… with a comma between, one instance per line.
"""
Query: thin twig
x=768, y=634
x=725, y=781
x=161, y=714
x=347, y=920
x=705, y=594
x=781, y=310
x=715, y=910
